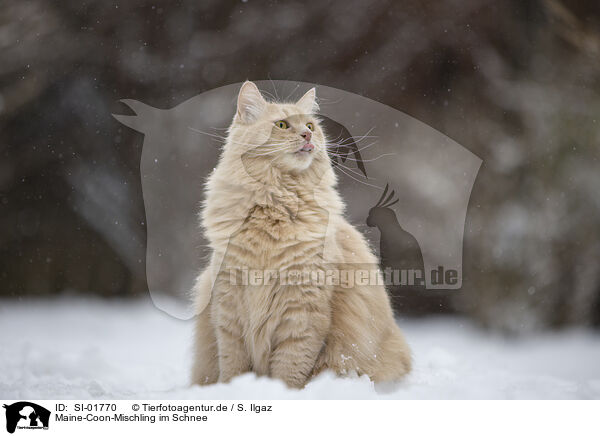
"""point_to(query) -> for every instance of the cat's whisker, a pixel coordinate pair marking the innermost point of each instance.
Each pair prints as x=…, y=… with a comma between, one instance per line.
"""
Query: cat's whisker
x=354, y=139
x=268, y=146
x=347, y=151
x=336, y=138
x=271, y=96
x=365, y=160
x=348, y=141
x=354, y=178
x=222, y=138
x=268, y=152
x=362, y=136
x=274, y=88
x=352, y=170
x=291, y=93
x=344, y=148
x=358, y=150
x=327, y=101
x=225, y=139
x=261, y=154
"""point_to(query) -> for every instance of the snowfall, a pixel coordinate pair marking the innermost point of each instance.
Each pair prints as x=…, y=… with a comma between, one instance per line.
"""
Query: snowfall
x=70, y=348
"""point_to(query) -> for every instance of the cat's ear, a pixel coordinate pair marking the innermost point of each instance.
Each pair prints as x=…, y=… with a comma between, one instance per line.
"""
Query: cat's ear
x=250, y=103
x=308, y=102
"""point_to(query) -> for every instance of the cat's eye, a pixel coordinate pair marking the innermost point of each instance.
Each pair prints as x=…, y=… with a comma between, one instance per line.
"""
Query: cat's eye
x=281, y=124
x=310, y=126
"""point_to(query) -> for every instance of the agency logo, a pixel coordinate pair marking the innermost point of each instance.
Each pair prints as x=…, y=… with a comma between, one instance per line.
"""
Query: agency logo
x=26, y=415
x=406, y=186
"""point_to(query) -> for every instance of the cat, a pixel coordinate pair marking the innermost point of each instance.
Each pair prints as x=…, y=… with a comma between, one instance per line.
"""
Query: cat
x=271, y=205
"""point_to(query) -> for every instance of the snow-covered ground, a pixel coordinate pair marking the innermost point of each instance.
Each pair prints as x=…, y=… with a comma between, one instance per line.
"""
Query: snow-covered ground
x=96, y=349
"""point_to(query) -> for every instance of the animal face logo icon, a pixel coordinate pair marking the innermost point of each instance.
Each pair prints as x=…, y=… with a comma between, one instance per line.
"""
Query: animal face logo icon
x=401, y=260
x=370, y=145
x=26, y=415
x=382, y=213
x=398, y=249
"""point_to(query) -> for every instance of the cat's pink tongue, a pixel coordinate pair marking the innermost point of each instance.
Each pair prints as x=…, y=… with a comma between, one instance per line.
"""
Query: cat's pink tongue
x=307, y=147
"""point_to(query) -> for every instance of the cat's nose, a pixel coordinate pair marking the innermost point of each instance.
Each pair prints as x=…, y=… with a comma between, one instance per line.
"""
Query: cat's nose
x=306, y=135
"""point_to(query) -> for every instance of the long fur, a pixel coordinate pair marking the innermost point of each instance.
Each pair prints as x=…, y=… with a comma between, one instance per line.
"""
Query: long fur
x=270, y=208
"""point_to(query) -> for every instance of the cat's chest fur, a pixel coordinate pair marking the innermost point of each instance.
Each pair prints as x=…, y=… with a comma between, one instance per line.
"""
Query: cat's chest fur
x=273, y=251
x=279, y=238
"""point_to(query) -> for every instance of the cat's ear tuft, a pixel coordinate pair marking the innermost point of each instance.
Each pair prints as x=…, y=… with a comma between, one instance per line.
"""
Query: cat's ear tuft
x=308, y=102
x=250, y=103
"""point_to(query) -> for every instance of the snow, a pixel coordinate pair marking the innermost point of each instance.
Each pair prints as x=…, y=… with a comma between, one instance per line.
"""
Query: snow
x=71, y=348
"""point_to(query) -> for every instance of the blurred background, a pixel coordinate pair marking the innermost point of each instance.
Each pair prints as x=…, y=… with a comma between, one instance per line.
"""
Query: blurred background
x=516, y=82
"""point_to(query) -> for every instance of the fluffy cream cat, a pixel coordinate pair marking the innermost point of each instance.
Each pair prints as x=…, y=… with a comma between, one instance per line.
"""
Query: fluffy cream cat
x=271, y=205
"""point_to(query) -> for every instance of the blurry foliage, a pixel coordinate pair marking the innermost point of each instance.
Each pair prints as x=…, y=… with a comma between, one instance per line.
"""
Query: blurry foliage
x=516, y=82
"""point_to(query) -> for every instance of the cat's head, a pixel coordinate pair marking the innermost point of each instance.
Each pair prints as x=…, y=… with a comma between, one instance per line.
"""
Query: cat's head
x=283, y=136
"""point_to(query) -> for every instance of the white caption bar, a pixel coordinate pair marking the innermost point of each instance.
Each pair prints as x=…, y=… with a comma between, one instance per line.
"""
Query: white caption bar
x=299, y=417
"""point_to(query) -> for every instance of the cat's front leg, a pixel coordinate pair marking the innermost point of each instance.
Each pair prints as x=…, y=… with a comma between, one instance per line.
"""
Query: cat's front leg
x=298, y=340
x=233, y=356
